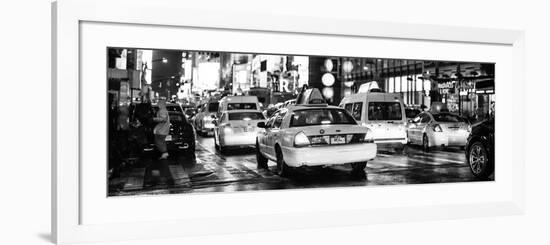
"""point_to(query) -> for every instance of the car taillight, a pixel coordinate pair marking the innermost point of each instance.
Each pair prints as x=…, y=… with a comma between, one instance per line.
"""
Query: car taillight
x=301, y=140
x=437, y=128
x=369, y=138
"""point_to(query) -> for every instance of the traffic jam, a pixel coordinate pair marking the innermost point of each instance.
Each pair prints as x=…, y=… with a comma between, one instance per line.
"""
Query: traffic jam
x=226, y=142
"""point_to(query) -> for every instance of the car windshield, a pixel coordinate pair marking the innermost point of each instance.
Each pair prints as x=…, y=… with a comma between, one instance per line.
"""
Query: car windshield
x=237, y=116
x=385, y=111
x=175, y=113
x=320, y=116
x=176, y=117
x=173, y=108
x=411, y=113
x=212, y=107
x=241, y=106
x=445, y=117
x=169, y=109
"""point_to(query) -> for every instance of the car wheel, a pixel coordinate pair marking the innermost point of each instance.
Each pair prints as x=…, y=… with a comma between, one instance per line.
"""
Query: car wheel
x=260, y=158
x=478, y=160
x=222, y=149
x=400, y=149
x=358, y=170
x=282, y=168
x=216, y=145
x=425, y=143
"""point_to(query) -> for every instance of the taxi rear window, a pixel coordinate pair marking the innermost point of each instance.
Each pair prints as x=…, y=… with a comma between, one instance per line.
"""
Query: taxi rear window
x=245, y=116
x=241, y=106
x=320, y=116
x=385, y=111
x=444, y=117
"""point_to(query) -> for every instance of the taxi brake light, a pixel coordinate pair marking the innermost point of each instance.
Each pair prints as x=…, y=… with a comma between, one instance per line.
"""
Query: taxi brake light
x=301, y=140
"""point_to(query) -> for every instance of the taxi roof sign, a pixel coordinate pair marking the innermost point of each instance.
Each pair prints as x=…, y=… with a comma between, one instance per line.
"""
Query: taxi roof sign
x=370, y=87
x=310, y=96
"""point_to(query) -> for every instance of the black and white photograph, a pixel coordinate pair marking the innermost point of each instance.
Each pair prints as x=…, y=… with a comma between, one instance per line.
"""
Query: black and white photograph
x=203, y=121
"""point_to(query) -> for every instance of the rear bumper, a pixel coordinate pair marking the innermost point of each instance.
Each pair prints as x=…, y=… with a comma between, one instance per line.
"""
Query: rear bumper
x=391, y=141
x=238, y=139
x=329, y=155
x=449, y=139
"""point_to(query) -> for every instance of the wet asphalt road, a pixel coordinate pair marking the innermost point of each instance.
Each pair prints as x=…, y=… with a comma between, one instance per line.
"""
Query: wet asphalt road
x=211, y=171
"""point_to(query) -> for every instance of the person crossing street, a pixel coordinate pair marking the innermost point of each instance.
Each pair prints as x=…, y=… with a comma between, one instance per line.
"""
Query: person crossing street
x=162, y=128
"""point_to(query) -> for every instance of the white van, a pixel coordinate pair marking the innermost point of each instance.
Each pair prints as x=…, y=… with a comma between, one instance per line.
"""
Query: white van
x=243, y=102
x=383, y=113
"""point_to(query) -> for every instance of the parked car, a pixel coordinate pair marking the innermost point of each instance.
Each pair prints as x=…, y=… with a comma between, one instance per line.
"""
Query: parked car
x=383, y=113
x=289, y=103
x=270, y=111
x=480, y=149
x=314, y=135
x=242, y=102
x=203, y=118
x=181, y=138
x=411, y=112
x=189, y=110
x=237, y=129
x=438, y=129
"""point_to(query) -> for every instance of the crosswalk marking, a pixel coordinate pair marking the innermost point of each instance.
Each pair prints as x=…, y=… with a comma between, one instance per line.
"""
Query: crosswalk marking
x=134, y=179
x=437, y=159
x=220, y=171
x=179, y=175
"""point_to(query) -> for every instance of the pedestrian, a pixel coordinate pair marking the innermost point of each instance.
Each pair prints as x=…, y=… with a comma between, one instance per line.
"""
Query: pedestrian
x=162, y=128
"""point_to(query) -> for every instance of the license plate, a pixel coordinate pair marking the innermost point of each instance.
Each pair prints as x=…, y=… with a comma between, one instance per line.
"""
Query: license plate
x=247, y=129
x=169, y=138
x=336, y=140
x=320, y=140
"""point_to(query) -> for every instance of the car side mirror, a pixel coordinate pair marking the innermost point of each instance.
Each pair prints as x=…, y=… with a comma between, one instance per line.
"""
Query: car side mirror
x=261, y=125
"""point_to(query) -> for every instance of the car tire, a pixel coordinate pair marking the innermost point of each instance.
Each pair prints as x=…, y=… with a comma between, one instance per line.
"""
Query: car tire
x=425, y=143
x=216, y=144
x=283, y=170
x=400, y=149
x=222, y=149
x=260, y=158
x=479, y=161
x=358, y=170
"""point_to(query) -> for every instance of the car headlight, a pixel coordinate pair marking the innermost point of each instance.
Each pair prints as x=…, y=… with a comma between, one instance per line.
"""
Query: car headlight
x=437, y=128
x=369, y=137
x=301, y=140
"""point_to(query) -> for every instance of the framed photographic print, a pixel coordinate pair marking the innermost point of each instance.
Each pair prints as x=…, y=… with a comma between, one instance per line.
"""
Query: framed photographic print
x=176, y=125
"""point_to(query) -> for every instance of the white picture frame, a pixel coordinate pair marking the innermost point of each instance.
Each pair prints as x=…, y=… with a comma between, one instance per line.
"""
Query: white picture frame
x=67, y=200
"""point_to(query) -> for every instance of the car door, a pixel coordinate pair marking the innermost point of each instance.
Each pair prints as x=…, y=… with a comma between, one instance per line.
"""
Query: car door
x=422, y=125
x=274, y=133
x=418, y=126
x=412, y=130
x=262, y=136
x=200, y=115
x=219, y=121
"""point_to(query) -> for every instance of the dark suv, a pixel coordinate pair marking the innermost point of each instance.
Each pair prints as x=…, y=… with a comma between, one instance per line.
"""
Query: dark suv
x=182, y=134
x=480, y=149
